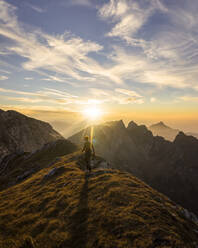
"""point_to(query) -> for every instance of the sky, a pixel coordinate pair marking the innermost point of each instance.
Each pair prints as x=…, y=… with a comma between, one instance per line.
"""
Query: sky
x=133, y=59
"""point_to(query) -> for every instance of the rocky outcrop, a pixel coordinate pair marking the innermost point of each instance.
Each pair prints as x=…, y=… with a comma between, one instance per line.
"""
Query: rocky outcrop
x=21, y=133
x=169, y=167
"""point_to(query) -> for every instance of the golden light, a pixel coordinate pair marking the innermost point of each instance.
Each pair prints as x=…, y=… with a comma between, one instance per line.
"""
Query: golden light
x=93, y=113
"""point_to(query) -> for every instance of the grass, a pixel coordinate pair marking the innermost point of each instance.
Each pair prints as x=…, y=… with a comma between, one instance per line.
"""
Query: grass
x=106, y=209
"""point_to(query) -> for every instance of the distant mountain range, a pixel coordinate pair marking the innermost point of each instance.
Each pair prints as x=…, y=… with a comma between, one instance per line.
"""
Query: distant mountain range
x=21, y=133
x=169, y=167
x=167, y=132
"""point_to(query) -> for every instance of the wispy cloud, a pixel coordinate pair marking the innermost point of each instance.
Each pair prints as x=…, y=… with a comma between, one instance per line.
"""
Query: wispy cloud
x=119, y=95
x=80, y=2
x=2, y=77
x=36, y=8
x=59, y=98
x=28, y=78
x=129, y=16
x=153, y=99
x=5, y=71
x=168, y=56
x=64, y=54
x=55, y=78
x=188, y=98
x=127, y=92
x=19, y=92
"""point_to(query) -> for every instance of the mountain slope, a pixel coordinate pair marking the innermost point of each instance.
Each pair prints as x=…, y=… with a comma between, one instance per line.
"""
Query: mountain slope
x=17, y=167
x=62, y=207
x=192, y=134
x=19, y=132
x=162, y=164
x=163, y=130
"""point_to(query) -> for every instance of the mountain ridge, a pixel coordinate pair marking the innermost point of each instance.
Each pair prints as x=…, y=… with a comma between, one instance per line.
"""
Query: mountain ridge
x=61, y=206
x=166, y=166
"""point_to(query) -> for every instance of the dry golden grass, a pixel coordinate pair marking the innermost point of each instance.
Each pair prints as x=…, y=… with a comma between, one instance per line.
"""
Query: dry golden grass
x=106, y=209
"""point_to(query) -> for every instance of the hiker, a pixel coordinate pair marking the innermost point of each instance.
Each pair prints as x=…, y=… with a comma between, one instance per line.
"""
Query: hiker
x=88, y=149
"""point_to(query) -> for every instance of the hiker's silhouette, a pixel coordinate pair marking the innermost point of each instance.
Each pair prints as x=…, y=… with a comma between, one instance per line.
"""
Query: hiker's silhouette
x=88, y=150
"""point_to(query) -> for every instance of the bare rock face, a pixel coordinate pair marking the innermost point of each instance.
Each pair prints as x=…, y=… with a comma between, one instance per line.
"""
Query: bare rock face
x=21, y=133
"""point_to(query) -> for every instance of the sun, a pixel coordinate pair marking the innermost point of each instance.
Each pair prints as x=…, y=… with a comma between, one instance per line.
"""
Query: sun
x=92, y=113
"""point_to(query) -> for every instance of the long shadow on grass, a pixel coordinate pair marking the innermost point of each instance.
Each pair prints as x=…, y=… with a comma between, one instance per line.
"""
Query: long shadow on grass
x=79, y=221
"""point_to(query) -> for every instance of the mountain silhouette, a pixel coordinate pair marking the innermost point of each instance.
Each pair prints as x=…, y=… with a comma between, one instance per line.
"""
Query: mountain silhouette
x=169, y=167
x=21, y=133
x=163, y=130
x=61, y=206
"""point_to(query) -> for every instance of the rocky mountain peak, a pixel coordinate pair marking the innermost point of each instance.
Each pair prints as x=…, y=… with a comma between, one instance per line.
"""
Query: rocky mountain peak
x=163, y=130
x=132, y=125
x=160, y=124
x=20, y=132
x=183, y=139
x=189, y=147
x=116, y=124
x=139, y=133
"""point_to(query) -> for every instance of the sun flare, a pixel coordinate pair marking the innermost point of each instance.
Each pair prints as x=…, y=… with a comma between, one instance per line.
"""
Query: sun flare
x=92, y=113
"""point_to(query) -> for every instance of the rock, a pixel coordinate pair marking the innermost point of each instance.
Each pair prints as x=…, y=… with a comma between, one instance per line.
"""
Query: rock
x=19, y=132
x=25, y=175
x=54, y=172
x=189, y=215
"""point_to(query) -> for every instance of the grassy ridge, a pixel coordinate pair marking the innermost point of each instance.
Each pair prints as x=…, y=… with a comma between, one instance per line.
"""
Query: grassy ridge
x=107, y=209
x=22, y=166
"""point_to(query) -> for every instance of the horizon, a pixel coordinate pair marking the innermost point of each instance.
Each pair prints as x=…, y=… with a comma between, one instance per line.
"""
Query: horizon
x=71, y=129
x=133, y=60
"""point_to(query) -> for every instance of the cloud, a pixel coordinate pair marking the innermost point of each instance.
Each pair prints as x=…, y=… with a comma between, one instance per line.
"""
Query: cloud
x=188, y=98
x=48, y=95
x=153, y=99
x=80, y=2
x=45, y=93
x=128, y=96
x=35, y=8
x=119, y=95
x=66, y=55
x=55, y=78
x=18, y=92
x=28, y=78
x=128, y=92
x=168, y=57
x=2, y=77
x=167, y=53
x=128, y=16
x=5, y=71
x=56, y=92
